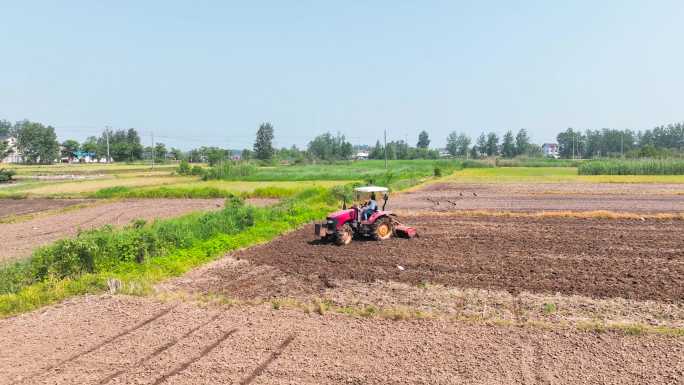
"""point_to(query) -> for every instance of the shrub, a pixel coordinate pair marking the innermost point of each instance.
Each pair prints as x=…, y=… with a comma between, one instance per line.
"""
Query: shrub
x=6, y=174
x=183, y=168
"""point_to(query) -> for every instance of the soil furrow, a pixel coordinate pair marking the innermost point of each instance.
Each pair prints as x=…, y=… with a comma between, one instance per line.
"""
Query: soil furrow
x=159, y=350
x=202, y=354
x=98, y=346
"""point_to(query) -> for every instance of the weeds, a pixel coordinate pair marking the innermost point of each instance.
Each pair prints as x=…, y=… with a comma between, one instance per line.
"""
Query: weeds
x=549, y=308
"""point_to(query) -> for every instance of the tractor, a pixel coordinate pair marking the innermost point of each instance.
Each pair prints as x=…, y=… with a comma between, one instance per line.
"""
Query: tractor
x=366, y=219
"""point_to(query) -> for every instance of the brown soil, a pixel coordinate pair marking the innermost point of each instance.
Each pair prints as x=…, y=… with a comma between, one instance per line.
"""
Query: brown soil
x=20, y=239
x=642, y=260
x=543, y=197
x=16, y=207
x=121, y=340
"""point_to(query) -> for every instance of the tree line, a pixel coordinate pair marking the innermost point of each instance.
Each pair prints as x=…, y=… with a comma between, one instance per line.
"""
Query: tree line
x=659, y=142
x=37, y=143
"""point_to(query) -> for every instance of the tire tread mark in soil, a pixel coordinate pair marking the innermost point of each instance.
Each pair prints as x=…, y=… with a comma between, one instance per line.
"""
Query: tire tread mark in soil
x=203, y=353
x=101, y=344
x=159, y=350
x=260, y=369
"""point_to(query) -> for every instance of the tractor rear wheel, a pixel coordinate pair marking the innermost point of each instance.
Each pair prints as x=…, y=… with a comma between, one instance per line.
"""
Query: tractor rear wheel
x=382, y=229
x=344, y=235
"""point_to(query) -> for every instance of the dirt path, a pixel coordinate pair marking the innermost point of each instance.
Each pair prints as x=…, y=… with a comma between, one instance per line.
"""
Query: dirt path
x=120, y=340
x=543, y=197
x=16, y=207
x=20, y=239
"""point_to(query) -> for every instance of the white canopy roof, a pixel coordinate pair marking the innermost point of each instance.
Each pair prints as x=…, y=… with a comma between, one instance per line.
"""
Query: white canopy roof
x=370, y=189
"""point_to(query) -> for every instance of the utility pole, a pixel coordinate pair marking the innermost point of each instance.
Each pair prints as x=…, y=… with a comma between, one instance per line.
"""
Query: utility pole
x=153, y=149
x=107, y=128
x=622, y=144
x=385, y=140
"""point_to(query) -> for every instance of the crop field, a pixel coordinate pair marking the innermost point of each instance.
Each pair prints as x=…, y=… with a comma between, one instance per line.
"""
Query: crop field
x=519, y=275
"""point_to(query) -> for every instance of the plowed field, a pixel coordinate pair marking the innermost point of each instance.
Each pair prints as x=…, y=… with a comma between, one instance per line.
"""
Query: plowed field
x=641, y=260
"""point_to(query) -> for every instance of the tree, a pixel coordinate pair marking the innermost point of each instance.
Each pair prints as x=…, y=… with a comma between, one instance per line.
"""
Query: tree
x=452, y=143
x=458, y=144
x=508, y=145
x=215, y=155
x=423, y=140
x=570, y=143
x=492, y=146
x=522, y=142
x=246, y=154
x=69, y=146
x=37, y=143
x=377, y=152
x=134, y=146
x=159, y=152
x=462, y=145
x=90, y=145
x=176, y=154
x=124, y=145
x=5, y=128
x=481, y=144
x=329, y=147
x=263, y=146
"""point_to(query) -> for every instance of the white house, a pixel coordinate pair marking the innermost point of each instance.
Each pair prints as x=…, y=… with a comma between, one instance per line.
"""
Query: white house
x=14, y=156
x=550, y=149
x=361, y=155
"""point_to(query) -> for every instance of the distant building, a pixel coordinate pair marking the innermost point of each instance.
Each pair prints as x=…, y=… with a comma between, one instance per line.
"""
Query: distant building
x=14, y=156
x=361, y=155
x=550, y=150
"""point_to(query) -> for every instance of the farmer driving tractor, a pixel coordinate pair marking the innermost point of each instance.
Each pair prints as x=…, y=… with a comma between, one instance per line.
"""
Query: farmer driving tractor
x=368, y=220
x=370, y=207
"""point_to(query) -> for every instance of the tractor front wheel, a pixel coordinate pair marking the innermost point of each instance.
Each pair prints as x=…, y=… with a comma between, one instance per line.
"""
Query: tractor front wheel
x=344, y=235
x=382, y=229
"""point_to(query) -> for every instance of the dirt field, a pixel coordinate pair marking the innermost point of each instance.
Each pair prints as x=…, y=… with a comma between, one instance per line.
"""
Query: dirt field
x=466, y=273
x=595, y=258
x=16, y=207
x=122, y=340
x=648, y=198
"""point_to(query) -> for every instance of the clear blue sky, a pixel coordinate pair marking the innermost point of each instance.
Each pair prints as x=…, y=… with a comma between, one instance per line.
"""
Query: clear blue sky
x=208, y=72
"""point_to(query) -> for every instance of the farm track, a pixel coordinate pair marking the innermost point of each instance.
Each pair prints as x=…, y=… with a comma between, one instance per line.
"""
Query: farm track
x=19, y=207
x=250, y=345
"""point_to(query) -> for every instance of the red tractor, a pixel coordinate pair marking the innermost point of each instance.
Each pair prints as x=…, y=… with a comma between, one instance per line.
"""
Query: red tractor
x=368, y=220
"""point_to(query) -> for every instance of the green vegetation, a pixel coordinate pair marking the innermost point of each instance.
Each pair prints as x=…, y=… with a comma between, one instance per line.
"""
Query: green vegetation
x=551, y=175
x=371, y=170
x=142, y=254
x=6, y=175
x=537, y=162
x=230, y=171
x=633, y=167
x=198, y=192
